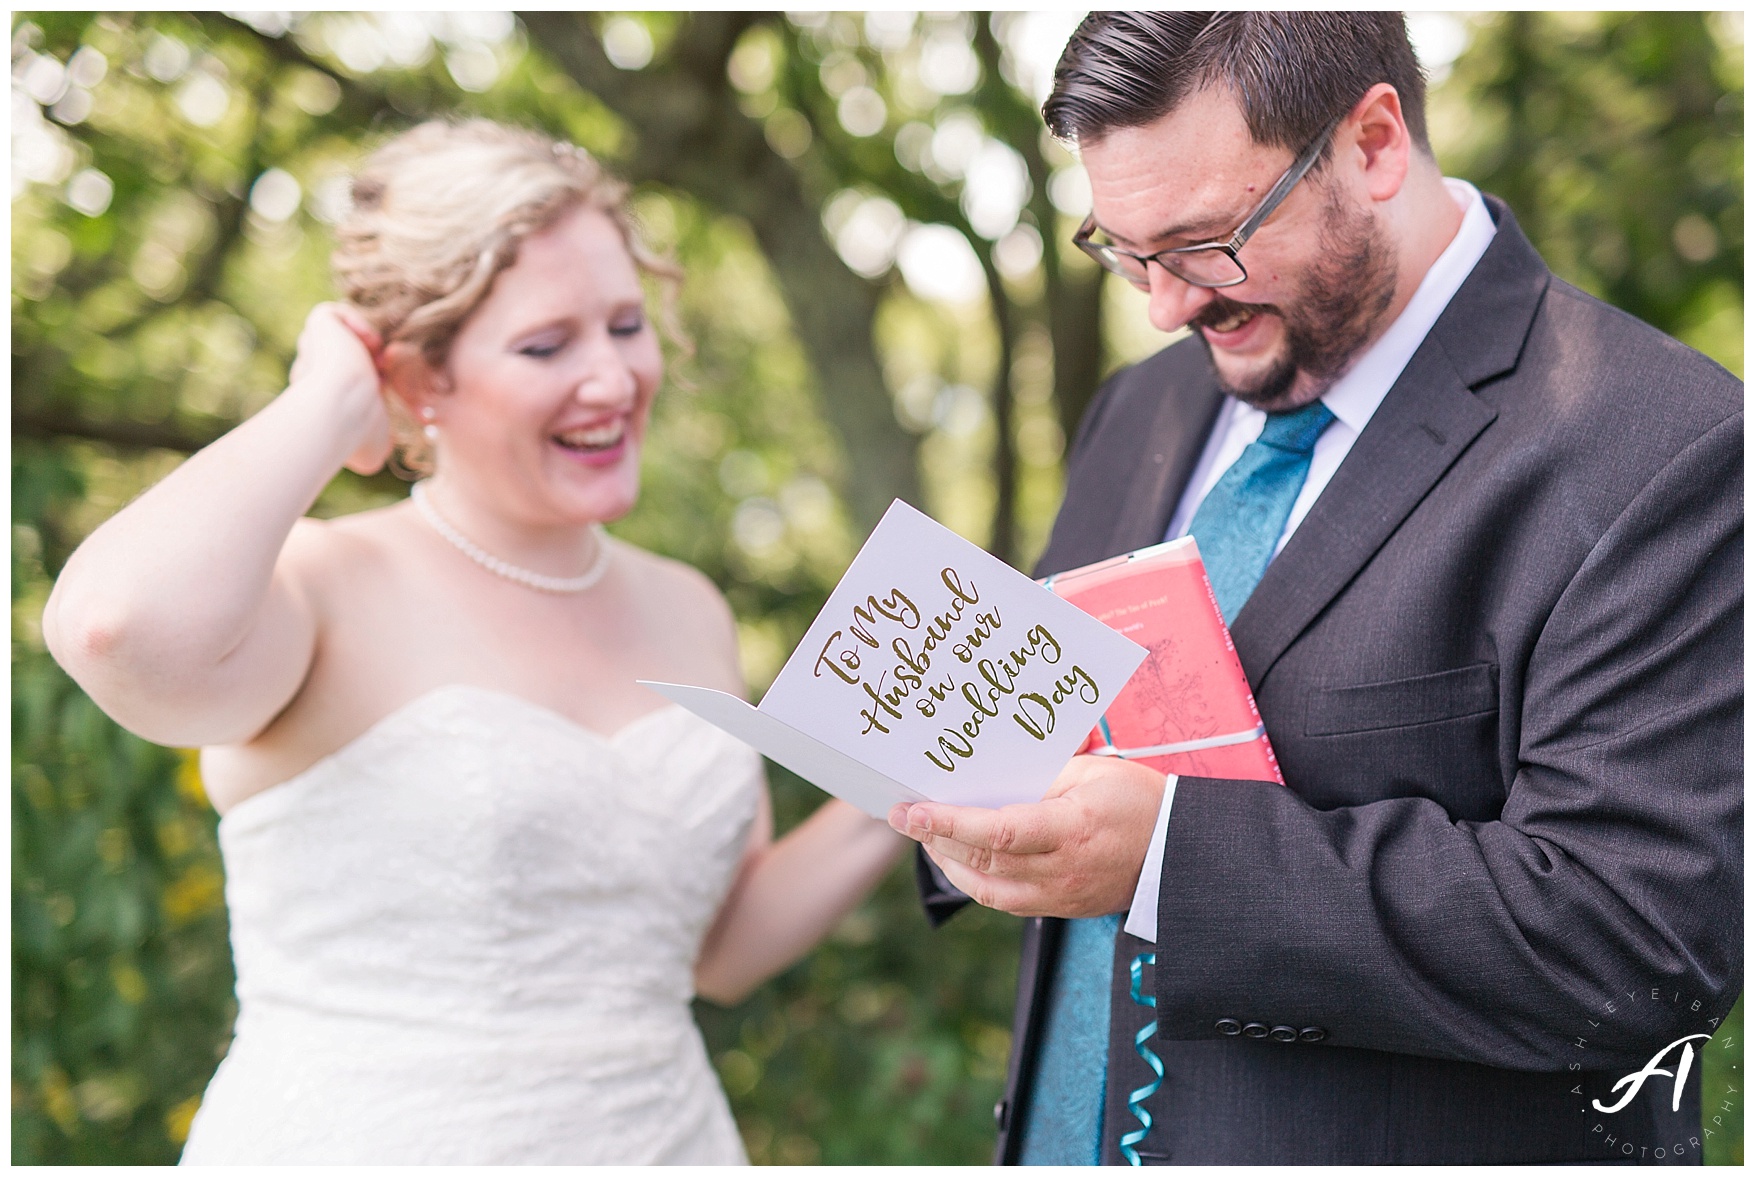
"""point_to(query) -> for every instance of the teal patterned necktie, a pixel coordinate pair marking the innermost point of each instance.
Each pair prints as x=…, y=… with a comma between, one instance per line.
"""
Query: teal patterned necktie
x=1063, y=1124
x=1240, y=520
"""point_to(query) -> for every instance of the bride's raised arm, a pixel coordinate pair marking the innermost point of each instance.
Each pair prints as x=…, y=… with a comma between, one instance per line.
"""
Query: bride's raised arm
x=183, y=616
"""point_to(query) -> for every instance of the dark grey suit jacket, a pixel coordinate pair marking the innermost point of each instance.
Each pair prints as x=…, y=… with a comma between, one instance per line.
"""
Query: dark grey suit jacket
x=1501, y=664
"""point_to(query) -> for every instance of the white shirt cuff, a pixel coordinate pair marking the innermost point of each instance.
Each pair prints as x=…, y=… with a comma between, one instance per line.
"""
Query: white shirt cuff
x=1142, y=916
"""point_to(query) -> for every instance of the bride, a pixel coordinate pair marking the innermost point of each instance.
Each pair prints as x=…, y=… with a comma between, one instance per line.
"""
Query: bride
x=475, y=873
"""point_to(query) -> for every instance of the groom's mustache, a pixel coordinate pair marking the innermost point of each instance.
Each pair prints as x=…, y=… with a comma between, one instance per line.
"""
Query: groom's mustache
x=1222, y=308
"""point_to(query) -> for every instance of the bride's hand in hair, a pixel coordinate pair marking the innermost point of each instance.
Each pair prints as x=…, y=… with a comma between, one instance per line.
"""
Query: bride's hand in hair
x=338, y=356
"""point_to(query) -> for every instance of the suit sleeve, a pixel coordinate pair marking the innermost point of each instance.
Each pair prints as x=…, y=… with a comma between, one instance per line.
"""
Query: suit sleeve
x=1614, y=868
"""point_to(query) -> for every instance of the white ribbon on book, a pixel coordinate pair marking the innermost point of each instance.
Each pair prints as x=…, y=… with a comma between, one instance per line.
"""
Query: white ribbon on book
x=1225, y=741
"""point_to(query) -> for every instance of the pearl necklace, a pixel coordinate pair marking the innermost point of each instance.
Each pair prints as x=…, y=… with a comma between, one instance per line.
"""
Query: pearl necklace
x=499, y=567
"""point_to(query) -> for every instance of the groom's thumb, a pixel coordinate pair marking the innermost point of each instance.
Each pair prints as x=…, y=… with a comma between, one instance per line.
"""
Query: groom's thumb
x=899, y=818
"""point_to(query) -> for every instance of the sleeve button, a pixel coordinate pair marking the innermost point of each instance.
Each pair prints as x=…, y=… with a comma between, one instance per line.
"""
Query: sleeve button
x=1283, y=1034
x=1312, y=1034
x=1255, y=1030
x=1229, y=1027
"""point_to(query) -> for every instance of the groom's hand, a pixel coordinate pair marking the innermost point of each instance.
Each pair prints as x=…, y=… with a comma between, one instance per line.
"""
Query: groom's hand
x=1077, y=852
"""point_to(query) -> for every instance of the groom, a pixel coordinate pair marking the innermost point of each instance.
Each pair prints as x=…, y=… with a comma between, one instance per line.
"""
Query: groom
x=1479, y=539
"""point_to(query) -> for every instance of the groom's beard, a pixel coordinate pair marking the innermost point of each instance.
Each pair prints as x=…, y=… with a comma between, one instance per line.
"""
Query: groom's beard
x=1342, y=300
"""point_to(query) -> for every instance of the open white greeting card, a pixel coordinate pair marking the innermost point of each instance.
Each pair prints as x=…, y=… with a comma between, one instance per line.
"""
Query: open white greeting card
x=934, y=673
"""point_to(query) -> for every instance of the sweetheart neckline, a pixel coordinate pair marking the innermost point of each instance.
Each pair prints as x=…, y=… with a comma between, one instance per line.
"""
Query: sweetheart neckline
x=396, y=713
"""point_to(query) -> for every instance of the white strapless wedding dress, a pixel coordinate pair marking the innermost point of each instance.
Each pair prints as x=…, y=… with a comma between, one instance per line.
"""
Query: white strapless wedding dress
x=468, y=937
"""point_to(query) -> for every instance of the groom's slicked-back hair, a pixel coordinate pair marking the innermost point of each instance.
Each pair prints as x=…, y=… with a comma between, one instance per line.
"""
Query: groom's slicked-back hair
x=1291, y=72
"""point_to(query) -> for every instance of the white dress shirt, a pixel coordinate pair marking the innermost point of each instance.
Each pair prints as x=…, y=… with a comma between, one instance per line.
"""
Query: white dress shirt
x=1353, y=399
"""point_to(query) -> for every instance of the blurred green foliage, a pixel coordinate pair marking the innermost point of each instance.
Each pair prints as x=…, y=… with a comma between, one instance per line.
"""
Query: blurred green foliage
x=1618, y=140
x=121, y=980
x=173, y=176
x=1721, y=1084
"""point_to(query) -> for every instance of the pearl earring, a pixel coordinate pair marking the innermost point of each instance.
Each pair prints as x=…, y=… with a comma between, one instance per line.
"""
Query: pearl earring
x=430, y=431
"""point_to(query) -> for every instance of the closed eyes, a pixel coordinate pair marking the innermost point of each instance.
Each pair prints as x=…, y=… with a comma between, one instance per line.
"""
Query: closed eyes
x=547, y=347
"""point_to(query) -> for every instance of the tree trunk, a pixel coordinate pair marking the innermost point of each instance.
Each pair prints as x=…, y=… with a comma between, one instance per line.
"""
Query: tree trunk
x=1074, y=299
x=1003, y=541
x=1075, y=325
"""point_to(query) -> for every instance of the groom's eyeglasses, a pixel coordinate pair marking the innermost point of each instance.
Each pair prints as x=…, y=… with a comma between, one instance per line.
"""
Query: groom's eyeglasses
x=1211, y=263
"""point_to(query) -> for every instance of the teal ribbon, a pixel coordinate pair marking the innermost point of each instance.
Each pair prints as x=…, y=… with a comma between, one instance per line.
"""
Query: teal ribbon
x=1136, y=1097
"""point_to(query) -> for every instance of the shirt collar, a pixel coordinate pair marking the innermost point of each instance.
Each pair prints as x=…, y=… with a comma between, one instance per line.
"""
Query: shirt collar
x=1356, y=395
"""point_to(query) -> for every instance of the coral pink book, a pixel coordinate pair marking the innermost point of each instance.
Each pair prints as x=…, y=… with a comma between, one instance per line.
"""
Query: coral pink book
x=1188, y=709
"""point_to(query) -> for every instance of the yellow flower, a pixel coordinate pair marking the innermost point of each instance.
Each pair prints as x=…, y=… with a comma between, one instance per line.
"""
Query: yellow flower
x=189, y=775
x=178, y=1119
x=198, y=891
x=130, y=985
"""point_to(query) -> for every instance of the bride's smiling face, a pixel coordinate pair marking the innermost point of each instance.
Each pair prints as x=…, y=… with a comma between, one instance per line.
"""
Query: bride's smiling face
x=550, y=380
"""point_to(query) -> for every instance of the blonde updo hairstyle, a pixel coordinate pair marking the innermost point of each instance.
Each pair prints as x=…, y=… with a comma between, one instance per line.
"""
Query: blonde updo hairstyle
x=439, y=211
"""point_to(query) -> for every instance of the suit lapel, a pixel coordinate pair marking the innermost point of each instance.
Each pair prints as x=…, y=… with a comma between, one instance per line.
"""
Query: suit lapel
x=1421, y=427
x=1178, y=434
x=1427, y=420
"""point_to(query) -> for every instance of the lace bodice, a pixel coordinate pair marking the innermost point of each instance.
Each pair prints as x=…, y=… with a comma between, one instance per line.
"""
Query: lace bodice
x=469, y=936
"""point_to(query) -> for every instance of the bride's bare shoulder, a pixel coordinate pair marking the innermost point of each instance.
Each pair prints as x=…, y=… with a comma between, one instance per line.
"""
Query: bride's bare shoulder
x=385, y=519
x=672, y=582
x=681, y=597
x=347, y=548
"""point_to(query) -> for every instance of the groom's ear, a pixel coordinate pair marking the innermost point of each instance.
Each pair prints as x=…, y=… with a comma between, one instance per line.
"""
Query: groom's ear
x=410, y=378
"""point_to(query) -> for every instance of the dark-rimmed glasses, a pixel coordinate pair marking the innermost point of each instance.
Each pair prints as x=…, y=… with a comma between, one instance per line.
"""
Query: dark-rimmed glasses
x=1211, y=263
